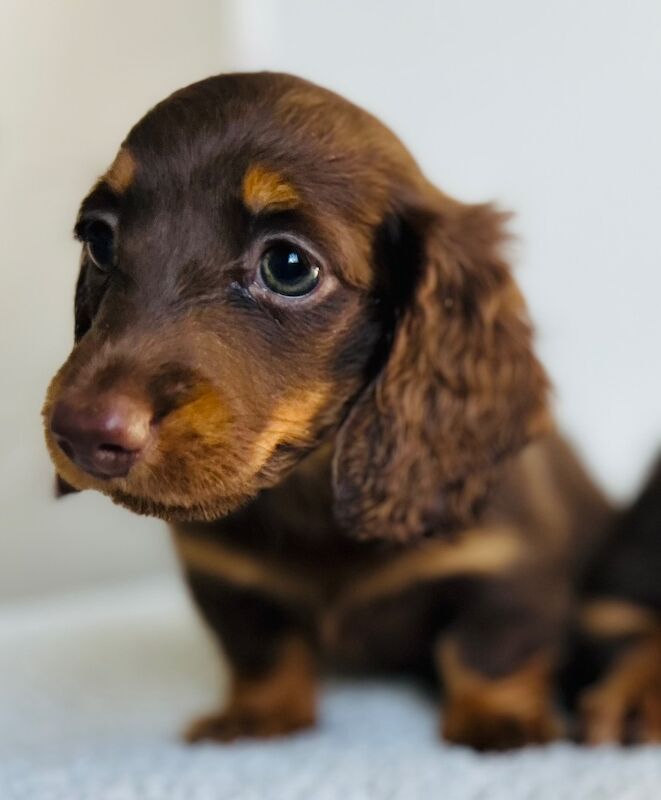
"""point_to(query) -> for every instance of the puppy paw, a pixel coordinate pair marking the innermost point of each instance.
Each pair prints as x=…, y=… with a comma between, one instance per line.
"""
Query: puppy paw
x=502, y=712
x=239, y=723
x=484, y=729
x=608, y=719
x=625, y=706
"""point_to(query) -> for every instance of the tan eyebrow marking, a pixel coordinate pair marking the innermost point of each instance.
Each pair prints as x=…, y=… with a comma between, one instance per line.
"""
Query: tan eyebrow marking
x=264, y=188
x=122, y=170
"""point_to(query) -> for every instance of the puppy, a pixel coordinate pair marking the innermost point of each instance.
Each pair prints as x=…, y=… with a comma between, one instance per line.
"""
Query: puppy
x=618, y=657
x=293, y=346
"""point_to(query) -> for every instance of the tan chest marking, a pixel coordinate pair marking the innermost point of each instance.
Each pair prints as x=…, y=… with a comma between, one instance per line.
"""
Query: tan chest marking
x=607, y=618
x=476, y=552
x=214, y=559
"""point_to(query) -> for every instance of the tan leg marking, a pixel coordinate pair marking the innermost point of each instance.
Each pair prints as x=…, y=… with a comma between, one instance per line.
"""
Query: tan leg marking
x=632, y=688
x=497, y=713
x=281, y=702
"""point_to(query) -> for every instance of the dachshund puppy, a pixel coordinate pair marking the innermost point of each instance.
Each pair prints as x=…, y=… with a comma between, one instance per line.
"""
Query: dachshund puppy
x=619, y=636
x=293, y=346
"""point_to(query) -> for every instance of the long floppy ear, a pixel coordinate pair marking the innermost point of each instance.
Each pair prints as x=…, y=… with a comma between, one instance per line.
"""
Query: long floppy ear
x=460, y=389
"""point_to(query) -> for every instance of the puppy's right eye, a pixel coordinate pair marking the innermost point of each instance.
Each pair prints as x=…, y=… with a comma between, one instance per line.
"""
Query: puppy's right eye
x=287, y=271
x=98, y=239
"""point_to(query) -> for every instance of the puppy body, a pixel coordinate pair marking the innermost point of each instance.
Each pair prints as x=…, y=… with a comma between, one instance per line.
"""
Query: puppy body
x=318, y=365
x=499, y=591
x=286, y=545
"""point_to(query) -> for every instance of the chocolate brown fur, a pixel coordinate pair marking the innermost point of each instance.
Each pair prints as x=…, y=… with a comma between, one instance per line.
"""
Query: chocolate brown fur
x=375, y=464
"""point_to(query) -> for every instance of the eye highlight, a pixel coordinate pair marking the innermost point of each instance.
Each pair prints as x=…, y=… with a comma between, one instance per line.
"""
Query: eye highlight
x=98, y=239
x=286, y=270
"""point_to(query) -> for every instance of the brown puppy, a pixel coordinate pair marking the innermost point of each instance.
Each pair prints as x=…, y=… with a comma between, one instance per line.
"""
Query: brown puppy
x=318, y=366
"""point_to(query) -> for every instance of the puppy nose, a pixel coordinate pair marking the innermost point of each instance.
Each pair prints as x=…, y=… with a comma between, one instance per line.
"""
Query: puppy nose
x=104, y=437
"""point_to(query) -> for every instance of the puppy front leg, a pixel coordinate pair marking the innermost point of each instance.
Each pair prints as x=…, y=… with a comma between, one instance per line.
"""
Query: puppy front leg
x=497, y=665
x=273, y=665
x=622, y=640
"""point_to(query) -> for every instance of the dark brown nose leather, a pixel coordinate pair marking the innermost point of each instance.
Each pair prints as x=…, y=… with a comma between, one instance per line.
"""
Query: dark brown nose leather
x=104, y=437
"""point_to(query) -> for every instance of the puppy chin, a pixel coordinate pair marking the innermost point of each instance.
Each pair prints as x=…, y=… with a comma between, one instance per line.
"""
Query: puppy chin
x=203, y=511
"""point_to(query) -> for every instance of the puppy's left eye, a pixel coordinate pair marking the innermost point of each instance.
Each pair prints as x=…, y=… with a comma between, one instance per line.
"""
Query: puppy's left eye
x=288, y=271
x=98, y=239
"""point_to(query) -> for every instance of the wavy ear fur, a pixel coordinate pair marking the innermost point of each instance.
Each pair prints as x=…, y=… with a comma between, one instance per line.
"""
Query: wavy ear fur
x=461, y=387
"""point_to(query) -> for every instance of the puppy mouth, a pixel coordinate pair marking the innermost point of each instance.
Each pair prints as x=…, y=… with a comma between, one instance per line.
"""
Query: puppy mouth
x=152, y=482
x=120, y=438
x=202, y=459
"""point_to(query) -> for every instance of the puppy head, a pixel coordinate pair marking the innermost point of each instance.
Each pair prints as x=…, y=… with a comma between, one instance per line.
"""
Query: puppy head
x=264, y=267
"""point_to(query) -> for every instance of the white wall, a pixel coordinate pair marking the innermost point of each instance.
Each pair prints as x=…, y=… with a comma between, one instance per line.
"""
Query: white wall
x=554, y=110
x=551, y=108
x=75, y=75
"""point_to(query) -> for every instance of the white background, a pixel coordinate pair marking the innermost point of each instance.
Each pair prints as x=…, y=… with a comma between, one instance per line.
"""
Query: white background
x=552, y=109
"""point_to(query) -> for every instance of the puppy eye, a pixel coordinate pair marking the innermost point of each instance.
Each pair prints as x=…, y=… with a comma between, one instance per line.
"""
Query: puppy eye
x=286, y=270
x=98, y=240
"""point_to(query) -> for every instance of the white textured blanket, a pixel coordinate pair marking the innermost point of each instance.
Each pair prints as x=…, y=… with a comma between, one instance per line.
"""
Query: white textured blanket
x=95, y=689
